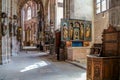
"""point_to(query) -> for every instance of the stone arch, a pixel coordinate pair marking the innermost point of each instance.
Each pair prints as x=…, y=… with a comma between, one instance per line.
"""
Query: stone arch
x=29, y=22
x=23, y=2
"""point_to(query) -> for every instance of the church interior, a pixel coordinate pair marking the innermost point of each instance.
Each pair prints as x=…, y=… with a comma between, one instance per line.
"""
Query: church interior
x=59, y=39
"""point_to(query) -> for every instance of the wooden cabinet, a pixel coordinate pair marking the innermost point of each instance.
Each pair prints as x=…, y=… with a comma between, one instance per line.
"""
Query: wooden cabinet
x=102, y=68
x=107, y=65
x=111, y=42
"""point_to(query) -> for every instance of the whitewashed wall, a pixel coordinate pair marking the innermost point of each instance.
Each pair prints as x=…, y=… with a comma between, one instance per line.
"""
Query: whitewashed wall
x=81, y=9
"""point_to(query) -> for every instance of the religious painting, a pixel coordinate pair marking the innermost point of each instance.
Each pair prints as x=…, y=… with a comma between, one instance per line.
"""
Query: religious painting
x=71, y=25
x=64, y=30
x=76, y=30
x=76, y=33
x=81, y=30
x=79, y=24
x=87, y=31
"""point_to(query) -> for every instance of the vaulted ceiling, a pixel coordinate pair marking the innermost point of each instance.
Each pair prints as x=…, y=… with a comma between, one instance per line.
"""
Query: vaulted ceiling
x=44, y=3
x=21, y=3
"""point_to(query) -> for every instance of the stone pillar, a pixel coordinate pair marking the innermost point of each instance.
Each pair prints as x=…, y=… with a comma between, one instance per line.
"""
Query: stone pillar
x=52, y=11
x=52, y=25
x=0, y=34
x=66, y=7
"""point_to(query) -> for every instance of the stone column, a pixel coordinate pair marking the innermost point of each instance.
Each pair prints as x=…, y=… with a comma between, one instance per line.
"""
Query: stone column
x=52, y=11
x=66, y=7
x=0, y=34
x=52, y=25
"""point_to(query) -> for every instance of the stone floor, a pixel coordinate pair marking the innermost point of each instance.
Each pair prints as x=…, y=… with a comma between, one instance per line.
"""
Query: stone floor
x=37, y=66
x=81, y=64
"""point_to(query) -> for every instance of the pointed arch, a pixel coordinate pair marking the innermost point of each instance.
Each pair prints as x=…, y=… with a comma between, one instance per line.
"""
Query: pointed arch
x=29, y=13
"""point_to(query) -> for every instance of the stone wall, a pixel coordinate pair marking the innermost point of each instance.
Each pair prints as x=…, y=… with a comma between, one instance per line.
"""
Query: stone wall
x=101, y=22
x=76, y=54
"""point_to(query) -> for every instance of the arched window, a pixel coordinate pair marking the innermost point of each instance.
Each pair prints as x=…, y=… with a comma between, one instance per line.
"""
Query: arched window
x=29, y=12
x=101, y=5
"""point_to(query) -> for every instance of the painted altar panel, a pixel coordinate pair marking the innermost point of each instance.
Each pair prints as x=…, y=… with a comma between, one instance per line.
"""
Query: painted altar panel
x=64, y=30
x=78, y=32
x=76, y=25
x=71, y=26
x=88, y=31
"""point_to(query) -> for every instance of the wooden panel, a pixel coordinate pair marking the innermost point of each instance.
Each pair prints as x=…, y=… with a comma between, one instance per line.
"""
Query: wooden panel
x=119, y=34
x=110, y=49
x=106, y=69
x=89, y=68
x=111, y=46
x=110, y=53
x=111, y=42
x=115, y=68
x=102, y=68
x=110, y=37
x=119, y=49
x=97, y=69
